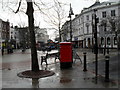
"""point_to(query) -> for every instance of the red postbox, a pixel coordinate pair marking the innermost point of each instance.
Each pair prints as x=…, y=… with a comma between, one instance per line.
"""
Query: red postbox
x=65, y=54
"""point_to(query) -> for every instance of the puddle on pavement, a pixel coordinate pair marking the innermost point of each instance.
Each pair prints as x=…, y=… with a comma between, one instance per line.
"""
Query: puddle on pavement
x=57, y=74
x=65, y=80
x=105, y=84
x=52, y=69
x=6, y=69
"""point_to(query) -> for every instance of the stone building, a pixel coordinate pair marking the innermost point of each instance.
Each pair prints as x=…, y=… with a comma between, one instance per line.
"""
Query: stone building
x=41, y=34
x=4, y=32
x=107, y=27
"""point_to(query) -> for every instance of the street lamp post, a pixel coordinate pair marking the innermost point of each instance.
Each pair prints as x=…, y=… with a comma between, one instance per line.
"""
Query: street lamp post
x=70, y=13
x=96, y=43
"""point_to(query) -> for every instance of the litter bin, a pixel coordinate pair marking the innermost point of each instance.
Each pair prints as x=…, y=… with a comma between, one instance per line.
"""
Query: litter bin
x=65, y=55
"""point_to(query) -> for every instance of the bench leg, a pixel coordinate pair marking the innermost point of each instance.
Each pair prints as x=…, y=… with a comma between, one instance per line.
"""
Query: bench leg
x=56, y=57
x=46, y=62
x=43, y=60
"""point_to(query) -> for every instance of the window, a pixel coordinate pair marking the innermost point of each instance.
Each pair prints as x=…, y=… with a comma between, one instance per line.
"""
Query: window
x=108, y=41
x=115, y=41
x=102, y=41
x=87, y=17
x=112, y=12
x=87, y=29
x=79, y=31
x=79, y=21
x=103, y=14
x=105, y=25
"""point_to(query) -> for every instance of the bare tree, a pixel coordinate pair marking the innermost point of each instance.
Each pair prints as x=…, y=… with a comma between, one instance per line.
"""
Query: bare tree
x=34, y=60
x=29, y=13
x=57, y=18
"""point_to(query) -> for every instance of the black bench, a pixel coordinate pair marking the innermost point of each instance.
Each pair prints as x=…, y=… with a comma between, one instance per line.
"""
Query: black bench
x=44, y=59
x=47, y=55
x=56, y=55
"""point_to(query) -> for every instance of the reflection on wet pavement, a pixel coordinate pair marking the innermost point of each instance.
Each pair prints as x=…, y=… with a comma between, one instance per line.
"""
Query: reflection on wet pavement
x=68, y=78
x=65, y=80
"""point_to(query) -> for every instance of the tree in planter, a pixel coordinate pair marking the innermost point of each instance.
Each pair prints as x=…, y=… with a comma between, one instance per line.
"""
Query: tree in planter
x=34, y=72
x=30, y=11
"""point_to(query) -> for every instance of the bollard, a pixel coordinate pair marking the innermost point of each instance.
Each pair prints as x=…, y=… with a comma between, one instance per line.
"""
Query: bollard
x=107, y=68
x=85, y=65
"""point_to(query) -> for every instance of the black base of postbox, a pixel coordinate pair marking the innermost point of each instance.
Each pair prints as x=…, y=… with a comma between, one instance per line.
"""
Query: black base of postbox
x=65, y=65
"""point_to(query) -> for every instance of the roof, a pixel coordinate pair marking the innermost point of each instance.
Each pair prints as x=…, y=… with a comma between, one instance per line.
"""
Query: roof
x=95, y=4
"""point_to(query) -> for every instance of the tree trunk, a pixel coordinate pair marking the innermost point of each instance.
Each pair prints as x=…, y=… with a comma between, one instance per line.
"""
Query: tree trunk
x=30, y=11
x=59, y=34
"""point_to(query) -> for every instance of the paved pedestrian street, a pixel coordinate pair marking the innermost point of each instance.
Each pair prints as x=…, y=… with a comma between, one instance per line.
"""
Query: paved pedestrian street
x=73, y=77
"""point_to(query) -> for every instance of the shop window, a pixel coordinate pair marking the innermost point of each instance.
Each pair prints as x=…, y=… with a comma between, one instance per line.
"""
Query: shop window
x=108, y=41
x=87, y=29
x=102, y=41
x=115, y=41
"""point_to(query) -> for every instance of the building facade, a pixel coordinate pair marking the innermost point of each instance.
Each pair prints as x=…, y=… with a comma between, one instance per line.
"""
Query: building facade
x=4, y=33
x=41, y=35
x=0, y=33
x=22, y=37
x=107, y=27
x=5, y=30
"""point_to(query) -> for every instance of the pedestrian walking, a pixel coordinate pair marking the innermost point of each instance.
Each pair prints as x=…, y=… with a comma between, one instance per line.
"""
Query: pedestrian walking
x=2, y=50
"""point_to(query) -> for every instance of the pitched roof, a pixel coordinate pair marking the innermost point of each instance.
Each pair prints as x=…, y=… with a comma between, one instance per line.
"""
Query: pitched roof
x=95, y=4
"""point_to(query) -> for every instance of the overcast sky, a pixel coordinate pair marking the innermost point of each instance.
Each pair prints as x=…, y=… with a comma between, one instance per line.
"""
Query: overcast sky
x=5, y=14
x=20, y=18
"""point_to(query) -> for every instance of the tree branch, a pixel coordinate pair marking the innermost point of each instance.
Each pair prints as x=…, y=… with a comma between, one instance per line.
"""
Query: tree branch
x=38, y=8
x=18, y=6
